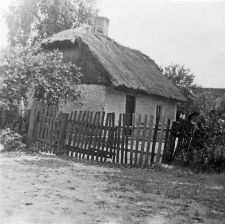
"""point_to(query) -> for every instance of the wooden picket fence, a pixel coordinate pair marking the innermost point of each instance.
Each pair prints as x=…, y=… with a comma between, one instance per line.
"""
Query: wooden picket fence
x=97, y=136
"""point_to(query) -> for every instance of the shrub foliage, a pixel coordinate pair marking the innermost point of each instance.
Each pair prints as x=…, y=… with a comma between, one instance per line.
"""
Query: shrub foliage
x=205, y=150
x=11, y=140
x=44, y=74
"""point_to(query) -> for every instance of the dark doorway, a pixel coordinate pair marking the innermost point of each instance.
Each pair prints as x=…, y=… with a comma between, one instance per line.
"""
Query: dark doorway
x=159, y=111
x=130, y=108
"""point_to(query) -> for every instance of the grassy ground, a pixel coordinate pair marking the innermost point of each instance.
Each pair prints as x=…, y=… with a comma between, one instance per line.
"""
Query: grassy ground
x=199, y=197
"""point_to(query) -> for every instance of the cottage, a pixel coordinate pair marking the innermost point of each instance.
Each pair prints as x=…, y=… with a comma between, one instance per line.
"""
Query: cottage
x=115, y=78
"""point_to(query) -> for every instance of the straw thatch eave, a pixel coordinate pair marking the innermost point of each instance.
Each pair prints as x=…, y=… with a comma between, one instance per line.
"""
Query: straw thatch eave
x=125, y=68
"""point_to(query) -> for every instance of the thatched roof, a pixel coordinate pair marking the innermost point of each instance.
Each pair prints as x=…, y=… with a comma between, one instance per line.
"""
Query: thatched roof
x=125, y=67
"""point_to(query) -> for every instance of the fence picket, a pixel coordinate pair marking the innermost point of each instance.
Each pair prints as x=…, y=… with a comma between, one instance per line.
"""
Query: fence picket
x=91, y=136
x=95, y=135
x=68, y=133
x=166, y=141
x=55, y=133
x=143, y=140
x=137, y=139
x=40, y=123
x=37, y=122
x=132, y=140
x=108, y=143
x=52, y=120
x=46, y=138
x=127, y=118
x=154, y=140
x=76, y=133
x=160, y=140
x=71, y=143
x=43, y=127
x=34, y=123
x=100, y=137
x=118, y=139
x=113, y=135
x=80, y=132
x=71, y=132
x=89, y=123
x=123, y=138
x=115, y=143
x=149, y=140
x=84, y=134
x=104, y=138
x=62, y=130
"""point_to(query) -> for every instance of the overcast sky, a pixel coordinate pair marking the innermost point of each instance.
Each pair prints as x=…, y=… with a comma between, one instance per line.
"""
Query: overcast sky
x=190, y=33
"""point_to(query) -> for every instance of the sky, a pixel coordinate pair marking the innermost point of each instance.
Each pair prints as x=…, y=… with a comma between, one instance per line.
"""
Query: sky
x=189, y=33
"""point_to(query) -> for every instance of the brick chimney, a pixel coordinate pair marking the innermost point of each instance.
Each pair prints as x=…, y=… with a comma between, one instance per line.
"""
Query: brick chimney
x=102, y=25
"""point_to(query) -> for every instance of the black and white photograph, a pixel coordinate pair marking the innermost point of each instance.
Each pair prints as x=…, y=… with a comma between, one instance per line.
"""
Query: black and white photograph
x=112, y=111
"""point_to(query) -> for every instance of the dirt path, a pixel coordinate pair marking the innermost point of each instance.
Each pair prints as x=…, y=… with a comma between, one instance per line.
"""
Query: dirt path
x=47, y=190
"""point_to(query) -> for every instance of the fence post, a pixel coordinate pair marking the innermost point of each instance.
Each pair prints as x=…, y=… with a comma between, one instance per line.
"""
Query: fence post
x=158, y=154
x=62, y=133
x=166, y=142
x=154, y=140
x=168, y=153
x=32, y=125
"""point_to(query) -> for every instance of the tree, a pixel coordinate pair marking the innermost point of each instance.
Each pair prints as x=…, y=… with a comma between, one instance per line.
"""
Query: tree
x=44, y=73
x=32, y=20
x=182, y=78
x=212, y=99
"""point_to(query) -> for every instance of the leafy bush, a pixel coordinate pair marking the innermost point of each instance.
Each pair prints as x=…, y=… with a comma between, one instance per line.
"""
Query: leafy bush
x=207, y=149
x=11, y=141
x=42, y=75
x=211, y=156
